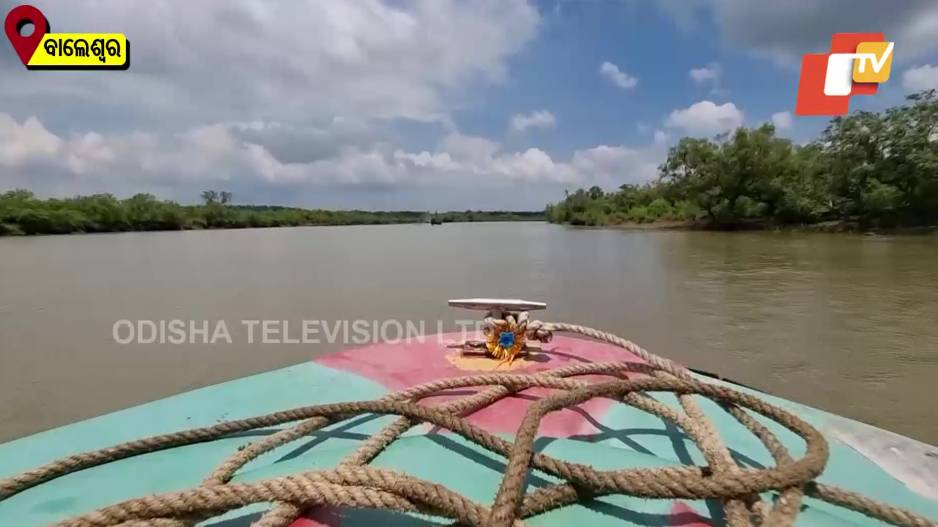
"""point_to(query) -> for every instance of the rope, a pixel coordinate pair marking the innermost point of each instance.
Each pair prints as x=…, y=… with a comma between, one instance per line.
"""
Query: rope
x=353, y=483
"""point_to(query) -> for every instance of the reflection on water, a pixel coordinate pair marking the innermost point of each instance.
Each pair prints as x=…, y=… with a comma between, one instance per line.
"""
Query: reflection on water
x=846, y=323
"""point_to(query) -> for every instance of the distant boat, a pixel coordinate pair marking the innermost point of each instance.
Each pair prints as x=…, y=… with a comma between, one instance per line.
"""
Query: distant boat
x=436, y=221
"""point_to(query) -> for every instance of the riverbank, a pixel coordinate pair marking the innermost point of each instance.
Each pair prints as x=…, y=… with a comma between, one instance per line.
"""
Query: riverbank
x=22, y=213
x=866, y=171
x=849, y=227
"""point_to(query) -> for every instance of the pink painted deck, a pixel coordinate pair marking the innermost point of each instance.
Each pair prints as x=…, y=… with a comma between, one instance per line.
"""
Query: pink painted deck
x=405, y=364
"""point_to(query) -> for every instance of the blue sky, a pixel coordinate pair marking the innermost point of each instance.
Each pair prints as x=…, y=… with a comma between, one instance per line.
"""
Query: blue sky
x=421, y=104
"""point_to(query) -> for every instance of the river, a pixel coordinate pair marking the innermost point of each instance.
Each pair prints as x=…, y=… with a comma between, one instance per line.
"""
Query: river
x=847, y=323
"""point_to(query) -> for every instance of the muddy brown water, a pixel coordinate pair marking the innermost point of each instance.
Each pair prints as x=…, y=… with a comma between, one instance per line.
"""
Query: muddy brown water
x=846, y=323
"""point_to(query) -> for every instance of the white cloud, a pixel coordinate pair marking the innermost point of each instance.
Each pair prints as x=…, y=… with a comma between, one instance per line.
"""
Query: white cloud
x=88, y=151
x=784, y=31
x=538, y=119
x=661, y=137
x=706, y=118
x=704, y=75
x=469, y=148
x=279, y=102
x=611, y=166
x=920, y=78
x=22, y=143
x=532, y=166
x=617, y=76
x=291, y=61
x=782, y=120
x=177, y=165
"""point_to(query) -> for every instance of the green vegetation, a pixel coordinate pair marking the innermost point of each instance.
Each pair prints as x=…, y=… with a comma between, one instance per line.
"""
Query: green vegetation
x=469, y=216
x=866, y=170
x=23, y=213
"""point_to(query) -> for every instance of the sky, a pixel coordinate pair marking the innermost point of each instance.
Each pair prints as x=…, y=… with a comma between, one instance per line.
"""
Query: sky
x=421, y=104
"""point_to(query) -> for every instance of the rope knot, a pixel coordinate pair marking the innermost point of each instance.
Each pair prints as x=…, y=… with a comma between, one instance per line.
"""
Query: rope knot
x=539, y=332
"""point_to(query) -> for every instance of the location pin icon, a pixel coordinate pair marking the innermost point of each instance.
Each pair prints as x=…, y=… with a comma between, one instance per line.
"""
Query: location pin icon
x=16, y=20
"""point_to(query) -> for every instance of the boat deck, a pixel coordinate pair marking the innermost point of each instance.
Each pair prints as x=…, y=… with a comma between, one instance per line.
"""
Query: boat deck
x=601, y=433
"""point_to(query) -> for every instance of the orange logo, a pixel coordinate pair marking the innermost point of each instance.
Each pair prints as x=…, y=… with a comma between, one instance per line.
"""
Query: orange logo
x=855, y=65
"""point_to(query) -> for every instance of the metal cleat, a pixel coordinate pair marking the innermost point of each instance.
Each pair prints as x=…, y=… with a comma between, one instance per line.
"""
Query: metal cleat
x=506, y=327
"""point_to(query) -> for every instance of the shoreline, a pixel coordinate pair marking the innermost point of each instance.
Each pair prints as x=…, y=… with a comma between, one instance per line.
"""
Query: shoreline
x=248, y=227
x=24, y=214
x=836, y=227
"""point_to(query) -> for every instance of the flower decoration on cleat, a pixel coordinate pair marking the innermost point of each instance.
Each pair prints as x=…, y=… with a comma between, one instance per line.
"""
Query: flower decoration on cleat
x=504, y=340
x=506, y=327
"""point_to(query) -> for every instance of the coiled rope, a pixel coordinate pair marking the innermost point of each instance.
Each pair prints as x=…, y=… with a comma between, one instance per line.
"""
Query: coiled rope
x=355, y=484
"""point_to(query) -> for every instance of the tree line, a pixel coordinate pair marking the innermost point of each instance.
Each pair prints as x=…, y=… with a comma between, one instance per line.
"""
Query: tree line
x=865, y=170
x=22, y=213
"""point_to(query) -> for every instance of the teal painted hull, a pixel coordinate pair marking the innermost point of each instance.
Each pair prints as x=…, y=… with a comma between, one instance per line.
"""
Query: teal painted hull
x=624, y=437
